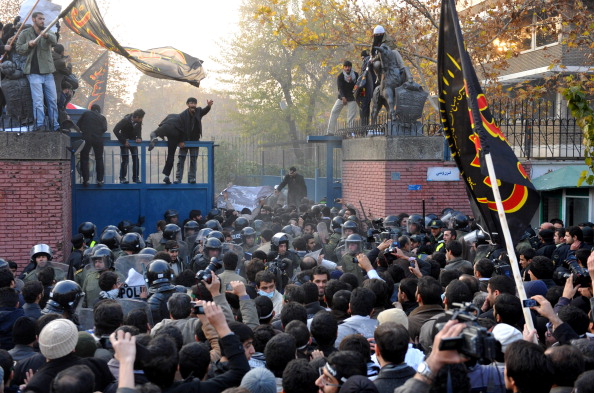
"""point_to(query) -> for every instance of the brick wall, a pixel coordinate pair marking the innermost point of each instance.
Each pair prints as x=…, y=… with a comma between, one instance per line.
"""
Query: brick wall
x=370, y=182
x=35, y=201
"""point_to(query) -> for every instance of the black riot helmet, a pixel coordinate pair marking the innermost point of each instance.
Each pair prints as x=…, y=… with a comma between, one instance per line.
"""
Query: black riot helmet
x=190, y=228
x=247, y=231
x=337, y=223
x=87, y=229
x=159, y=272
x=213, y=213
x=217, y=235
x=170, y=232
x=169, y=214
x=110, y=238
x=212, y=243
x=86, y=258
x=132, y=242
x=459, y=221
x=240, y=223
x=66, y=295
x=113, y=227
x=105, y=255
x=352, y=225
x=279, y=239
x=258, y=226
x=125, y=226
x=352, y=240
x=391, y=221
x=148, y=251
x=213, y=224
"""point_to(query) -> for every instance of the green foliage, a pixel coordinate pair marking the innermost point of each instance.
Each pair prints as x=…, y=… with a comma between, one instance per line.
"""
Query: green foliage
x=577, y=103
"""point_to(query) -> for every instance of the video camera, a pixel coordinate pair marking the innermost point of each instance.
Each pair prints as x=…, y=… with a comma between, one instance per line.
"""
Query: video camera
x=475, y=341
x=581, y=275
x=206, y=274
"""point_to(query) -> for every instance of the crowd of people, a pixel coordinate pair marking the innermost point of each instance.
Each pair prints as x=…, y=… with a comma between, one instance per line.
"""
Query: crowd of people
x=300, y=299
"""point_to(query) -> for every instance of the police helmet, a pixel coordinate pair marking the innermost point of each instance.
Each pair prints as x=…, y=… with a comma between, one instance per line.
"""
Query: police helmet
x=105, y=255
x=112, y=227
x=354, y=239
x=213, y=213
x=41, y=249
x=110, y=238
x=216, y=235
x=132, y=242
x=289, y=230
x=170, y=232
x=391, y=221
x=349, y=224
x=337, y=224
x=213, y=224
x=191, y=226
x=258, y=226
x=240, y=223
x=87, y=229
x=148, y=251
x=159, y=272
x=247, y=231
x=459, y=221
x=169, y=214
x=125, y=226
x=277, y=240
x=213, y=243
x=66, y=295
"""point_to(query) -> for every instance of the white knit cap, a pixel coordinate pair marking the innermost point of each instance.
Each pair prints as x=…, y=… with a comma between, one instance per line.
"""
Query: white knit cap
x=506, y=334
x=393, y=315
x=379, y=29
x=58, y=338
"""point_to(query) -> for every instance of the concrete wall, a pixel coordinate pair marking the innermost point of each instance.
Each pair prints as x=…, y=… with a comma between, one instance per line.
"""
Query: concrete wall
x=35, y=194
x=378, y=172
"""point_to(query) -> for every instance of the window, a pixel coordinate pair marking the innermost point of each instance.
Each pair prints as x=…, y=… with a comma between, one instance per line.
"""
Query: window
x=540, y=28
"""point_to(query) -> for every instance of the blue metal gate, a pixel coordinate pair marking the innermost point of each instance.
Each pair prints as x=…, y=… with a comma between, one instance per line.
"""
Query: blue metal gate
x=143, y=202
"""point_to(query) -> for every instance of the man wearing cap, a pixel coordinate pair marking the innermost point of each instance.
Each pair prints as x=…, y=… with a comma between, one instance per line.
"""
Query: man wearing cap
x=436, y=237
x=57, y=342
x=297, y=190
x=345, y=82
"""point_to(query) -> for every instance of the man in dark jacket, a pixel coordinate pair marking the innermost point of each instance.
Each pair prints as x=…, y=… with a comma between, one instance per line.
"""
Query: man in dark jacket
x=9, y=313
x=346, y=83
x=170, y=128
x=391, y=344
x=92, y=124
x=191, y=121
x=62, y=65
x=130, y=127
x=296, y=186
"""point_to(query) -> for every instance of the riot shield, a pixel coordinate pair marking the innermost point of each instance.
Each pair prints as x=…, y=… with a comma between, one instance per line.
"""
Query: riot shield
x=323, y=232
x=131, y=268
x=85, y=318
x=135, y=304
x=60, y=270
x=340, y=251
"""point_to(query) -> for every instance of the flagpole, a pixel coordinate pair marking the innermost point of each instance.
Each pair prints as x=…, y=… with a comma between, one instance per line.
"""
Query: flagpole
x=508, y=241
x=14, y=37
x=47, y=29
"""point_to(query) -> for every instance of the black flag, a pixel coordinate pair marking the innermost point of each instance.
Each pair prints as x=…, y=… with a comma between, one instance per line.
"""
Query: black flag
x=96, y=76
x=471, y=133
x=83, y=17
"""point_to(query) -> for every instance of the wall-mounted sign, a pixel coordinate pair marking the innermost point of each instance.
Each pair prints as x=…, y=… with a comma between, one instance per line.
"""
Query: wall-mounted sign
x=443, y=174
x=414, y=187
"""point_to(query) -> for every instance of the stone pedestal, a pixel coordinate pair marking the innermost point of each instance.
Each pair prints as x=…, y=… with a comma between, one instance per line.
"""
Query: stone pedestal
x=35, y=194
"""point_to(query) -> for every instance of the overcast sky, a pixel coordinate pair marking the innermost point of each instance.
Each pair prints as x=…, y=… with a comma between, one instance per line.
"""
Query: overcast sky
x=195, y=27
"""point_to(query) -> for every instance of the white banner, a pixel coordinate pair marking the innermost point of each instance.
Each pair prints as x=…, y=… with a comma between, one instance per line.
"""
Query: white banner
x=241, y=196
x=49, y=10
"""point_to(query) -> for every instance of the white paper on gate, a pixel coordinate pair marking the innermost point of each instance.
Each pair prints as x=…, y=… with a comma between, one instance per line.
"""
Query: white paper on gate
x=134, y=279
x=49, y=10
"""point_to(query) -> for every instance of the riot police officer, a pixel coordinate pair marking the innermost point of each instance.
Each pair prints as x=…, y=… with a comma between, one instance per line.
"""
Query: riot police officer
x=248, y=238
x=102, y=260
x=132, y=243
x=353, y=247
x=88, y=229
x=64, y=300
x=212, y=249
x=159, y=277
x=280, y=245
x=41, y=256
x=238, y=225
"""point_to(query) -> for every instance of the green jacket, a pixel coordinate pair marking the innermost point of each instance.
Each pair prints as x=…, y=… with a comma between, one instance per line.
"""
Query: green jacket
x=43, y=49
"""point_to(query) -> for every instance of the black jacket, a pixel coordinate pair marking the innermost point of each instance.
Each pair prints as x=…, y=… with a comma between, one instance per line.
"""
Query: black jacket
x=392, y=376
x=92, y=124
x=126, y=129
x=192, y=125
x=345, y=89
x=238, y=367
x=296, y=186
x=43, y=378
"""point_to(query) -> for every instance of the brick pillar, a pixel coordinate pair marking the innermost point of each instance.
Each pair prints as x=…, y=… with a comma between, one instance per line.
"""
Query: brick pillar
x=378, y=172
x=35, y=194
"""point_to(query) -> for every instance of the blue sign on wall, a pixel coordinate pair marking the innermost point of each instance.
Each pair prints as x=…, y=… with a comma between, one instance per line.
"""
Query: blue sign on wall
x=414, y=187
